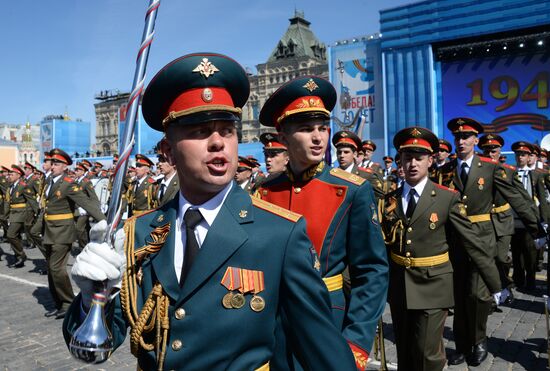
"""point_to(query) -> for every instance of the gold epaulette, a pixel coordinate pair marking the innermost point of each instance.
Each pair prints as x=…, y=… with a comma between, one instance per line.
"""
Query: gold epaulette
x=342, y=174
x=274, y=209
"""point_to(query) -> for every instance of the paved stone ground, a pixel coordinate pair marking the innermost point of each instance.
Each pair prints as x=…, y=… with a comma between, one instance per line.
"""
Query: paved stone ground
x=29, y=341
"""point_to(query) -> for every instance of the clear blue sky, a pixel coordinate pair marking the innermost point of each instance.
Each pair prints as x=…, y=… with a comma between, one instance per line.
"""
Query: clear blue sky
x=60, y=53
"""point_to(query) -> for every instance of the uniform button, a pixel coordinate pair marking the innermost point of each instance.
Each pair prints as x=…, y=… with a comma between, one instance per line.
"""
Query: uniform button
x=297, y=190
x=179, y=313
x=465, y=206
x=264, y=192
x=177, y=345
x=407, y=254
x=464, y=197
x=409, y=242
x=339, y=192
x=409, y=229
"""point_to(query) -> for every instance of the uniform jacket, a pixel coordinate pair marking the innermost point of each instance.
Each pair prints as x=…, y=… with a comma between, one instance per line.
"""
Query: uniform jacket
x=538, y=177
x=21, y=194
x=171, y=191
x=342, y=222
x=487, y=177
x=504, y=221
x=88, y=189
x=247, y=235
x=439, y=217
x=143, y=197
x=62, y=199
x=373, y=177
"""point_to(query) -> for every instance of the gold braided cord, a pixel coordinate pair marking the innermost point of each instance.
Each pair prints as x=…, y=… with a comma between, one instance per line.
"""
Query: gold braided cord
x=154, y=313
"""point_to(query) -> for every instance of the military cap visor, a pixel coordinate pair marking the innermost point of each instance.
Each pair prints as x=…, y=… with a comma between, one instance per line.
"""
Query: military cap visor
x=196, y=88
x=522, y=147
x=306, y=94
x=445, y=146
x=16, y=169
x=460, y=125
x=245, y=163
x=415, y=139
x=271, y=142
x=368, y=144
x=58, y=155
x=142, y=160
x=488, y=141
x=346, y=138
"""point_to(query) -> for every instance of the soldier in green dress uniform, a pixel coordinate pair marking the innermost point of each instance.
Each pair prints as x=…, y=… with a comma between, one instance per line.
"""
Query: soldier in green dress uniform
x=477, y=179
x=217, y=286
x=347, y=143
x=22, y=202
x=502, y=214
x=4, y=204
x=82, y=219
x=63, y=196
x=420, y=220
x=142, y=188
x=524, y=248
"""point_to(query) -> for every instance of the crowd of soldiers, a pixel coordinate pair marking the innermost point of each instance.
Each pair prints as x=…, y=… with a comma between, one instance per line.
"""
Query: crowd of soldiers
x=431, y=236
x=54, y=209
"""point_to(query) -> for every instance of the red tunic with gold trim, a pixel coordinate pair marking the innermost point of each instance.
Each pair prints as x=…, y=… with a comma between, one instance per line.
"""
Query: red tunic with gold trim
x=341, y=217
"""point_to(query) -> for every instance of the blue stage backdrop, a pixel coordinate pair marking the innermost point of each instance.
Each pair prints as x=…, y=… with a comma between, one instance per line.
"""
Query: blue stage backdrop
x=508, y=95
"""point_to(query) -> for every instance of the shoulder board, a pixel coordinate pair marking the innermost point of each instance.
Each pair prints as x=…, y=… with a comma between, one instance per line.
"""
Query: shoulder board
x=86, y=180
x=541, y=171
x=36, y=177
x=274, y=209
x=68, y=179
x=365, y=169
x=445, y=188
x=509, y=166
x=376, y=164
x=342, y=174
x=151, y=180
x=487, y=159
x=24, y=184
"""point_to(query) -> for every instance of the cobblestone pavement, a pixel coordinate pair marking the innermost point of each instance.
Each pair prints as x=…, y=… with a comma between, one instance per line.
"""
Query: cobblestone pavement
x=30, y=341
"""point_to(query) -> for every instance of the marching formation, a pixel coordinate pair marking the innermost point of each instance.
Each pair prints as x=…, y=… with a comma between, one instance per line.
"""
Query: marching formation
x=298, y=263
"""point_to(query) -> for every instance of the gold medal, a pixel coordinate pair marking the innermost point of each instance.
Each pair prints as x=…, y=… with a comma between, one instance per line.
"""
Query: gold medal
x=432, y=225
x=238, y=300
x=226, y=301
x=257, y=303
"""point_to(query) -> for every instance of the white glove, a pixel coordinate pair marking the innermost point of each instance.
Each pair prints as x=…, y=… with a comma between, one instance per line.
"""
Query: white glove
x=540, y=242
x=99, y=262
x=501, y=296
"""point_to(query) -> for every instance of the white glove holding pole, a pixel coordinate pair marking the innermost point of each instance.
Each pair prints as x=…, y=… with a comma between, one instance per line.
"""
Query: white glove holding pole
x=99, y=262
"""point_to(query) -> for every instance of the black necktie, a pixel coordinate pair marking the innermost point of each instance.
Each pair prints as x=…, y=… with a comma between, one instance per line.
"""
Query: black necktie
x=191, y=218
x=50, y=189
x=162, y=190
x=411, y=205
x=464, y=174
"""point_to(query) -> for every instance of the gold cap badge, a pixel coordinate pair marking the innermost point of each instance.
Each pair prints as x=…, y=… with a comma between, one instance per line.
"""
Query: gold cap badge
x=311, y=85
x=206, y=68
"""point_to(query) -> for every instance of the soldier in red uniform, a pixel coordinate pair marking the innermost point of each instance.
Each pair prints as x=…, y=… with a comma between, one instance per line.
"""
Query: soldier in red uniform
x=346, y=234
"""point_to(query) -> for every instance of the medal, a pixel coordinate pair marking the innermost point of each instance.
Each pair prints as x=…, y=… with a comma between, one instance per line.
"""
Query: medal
x=231, y=281
x=480, y=183
x=257, y=303
x=433, y=219
x=238, y=300
x=226, y=300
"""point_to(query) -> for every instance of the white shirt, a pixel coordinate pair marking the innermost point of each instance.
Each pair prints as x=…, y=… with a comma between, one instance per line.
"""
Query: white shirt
x=209, y=211
x=349, y=168
x=245, y=183
x=419, y=188
x=51, y=184
x=166, y=182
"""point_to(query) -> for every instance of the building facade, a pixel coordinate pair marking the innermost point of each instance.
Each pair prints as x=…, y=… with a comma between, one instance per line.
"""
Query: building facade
x=299, y=52
x=110, y=109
